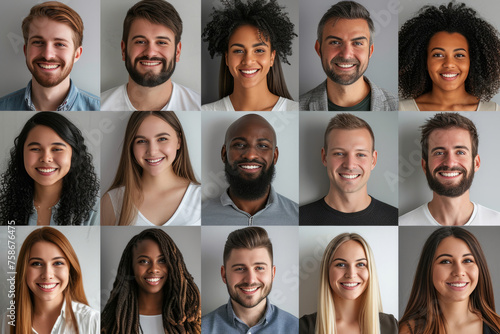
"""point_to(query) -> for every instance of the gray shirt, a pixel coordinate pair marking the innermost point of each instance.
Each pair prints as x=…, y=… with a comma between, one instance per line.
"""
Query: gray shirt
x=279, y=210
x=223, y=320
x=317, y=99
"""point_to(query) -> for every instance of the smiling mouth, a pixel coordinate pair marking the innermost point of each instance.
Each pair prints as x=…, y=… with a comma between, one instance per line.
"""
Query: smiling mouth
x=458, y=285
x=47, y=287
x=349, y=176
x=449, y=174
x=350, y=285
x=154, y=162
x=249, y=289
x=250, y=168
x=48, y=66
x=345, y=66
x=153, y=280
x=150, y=63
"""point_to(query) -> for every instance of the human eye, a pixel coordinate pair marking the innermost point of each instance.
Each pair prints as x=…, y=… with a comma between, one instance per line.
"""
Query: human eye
x=162, y=260
x=260, y=268
x=239, y=269
x=340, y=265
x=139, y=41
x=263, y=146
x=361, y=155
x=468, y=260
x=238, y=51
x=59, y=263
x=334, y=42
x=361, y=264
x=35, y=149
x=140, y=141
x=36, y=264
x=143, y=261
x=338, y=154
x=445, y=261
x=460, y=152
x=162, y=139
x=238, y=145
x=358, y=43
x=260, y=50
x=36, y=42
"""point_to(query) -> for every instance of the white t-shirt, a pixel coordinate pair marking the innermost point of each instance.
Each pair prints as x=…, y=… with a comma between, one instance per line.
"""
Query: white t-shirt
x=151, y=324
x=182, y=99
x=88, y=321
x=225, y=104
x=188, y=212
x=422, y=216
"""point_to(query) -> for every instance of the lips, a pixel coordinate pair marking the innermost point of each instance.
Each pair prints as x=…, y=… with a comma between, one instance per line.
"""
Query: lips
x=150, y=63
x=350, y=285
x=155, y=161
x=48, y=66
x=349, y=176
x=250, y=167
x=249, y=72
x=449, y=76
x=46, y=171
x=47, y=287
x=249, y=290
x=153, y=280
x=450, y=173
x=457, y=286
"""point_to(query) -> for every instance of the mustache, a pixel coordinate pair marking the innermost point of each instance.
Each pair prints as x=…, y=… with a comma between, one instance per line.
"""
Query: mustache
x=339, y=59
x=246, y=285
x=163, y=60
x=45, y=60
x=450, y=169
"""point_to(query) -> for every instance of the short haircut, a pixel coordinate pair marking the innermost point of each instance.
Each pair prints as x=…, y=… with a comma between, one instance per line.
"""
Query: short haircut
x=58, y=12
x=157, y=12
x=248, y=238
x=446, y=121
x=347, y=121
x=349, y=10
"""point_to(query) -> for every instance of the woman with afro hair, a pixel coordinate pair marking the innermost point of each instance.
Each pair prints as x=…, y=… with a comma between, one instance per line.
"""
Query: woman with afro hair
x=252, y=37
x=449, y=60
x=50, y=178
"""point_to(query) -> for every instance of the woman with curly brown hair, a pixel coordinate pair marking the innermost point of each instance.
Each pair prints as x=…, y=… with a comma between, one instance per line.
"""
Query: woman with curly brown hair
x=449, y=60
x=252, y=37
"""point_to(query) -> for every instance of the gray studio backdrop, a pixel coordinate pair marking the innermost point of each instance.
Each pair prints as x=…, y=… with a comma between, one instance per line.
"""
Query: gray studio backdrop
x=111, y=132
x=314, y=181
x=113, y=242
x=486, y=9
x=413, y=188
x=15, y=74
x=285, y=124
x=383, y=241
x=286, y=284
x=383, y=67
x=4, y=284
x=114, y=73
x=412, y=240
x=210, y=77
x=11, y=124
x=85, y=241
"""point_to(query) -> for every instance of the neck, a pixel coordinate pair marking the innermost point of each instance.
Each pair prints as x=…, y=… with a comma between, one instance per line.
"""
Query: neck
x=451, y=210
x=159, y=182
x=456, y=312
x=150, y=303
x=250, y=316
x=257, y=98
x=444, y=100
x=250, y=206
x=347, y=311
x=347, y=95
x=49, y=98
x=47, y=308
x=149, y=98
x=348, y=202
x=47, y=195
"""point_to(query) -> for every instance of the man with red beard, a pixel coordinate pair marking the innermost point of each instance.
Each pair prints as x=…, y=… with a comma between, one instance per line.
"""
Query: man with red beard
x=248, y=273
x=53, y=34
x=249, y=154
x=151, y=46
x=345, y=45
x=449, y=160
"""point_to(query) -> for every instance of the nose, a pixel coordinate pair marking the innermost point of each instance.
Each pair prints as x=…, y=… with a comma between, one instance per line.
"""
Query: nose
x=151, y=50
x=250, y=153
x=458, y=269
x=48, y=51
x=154, y=268
x=351, y=272
x=248, y=58
x=47, y=273
x=250, y=277
x=153, y=148
x=46, y=156
x=346, y=51
x=349, y=162
x=449, y=160
x=449, y=62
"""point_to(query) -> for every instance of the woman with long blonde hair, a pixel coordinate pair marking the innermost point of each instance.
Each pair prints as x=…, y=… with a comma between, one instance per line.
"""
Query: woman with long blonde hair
x=155, y=183
x=349, y=295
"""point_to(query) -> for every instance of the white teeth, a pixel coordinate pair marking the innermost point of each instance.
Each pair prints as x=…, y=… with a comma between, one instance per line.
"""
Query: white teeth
x=250, y=166
x=250, y=290
x=450, y=75
x=349, y=176
x=450, y=174
x=458, y=285
x=345, y=65
x=155, y=160
x=147, y=63
x=249, y=72
x=153, y=280
x=47, y=170
x=48, y=67
x=350, y=285
x=47, y=286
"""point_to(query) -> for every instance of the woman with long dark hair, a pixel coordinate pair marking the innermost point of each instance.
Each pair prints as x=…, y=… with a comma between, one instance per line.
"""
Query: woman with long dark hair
x=252, y=37
x=50, y=178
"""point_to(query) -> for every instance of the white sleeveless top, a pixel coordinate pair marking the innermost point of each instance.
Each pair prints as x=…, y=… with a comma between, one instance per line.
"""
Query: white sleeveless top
x=188, y=212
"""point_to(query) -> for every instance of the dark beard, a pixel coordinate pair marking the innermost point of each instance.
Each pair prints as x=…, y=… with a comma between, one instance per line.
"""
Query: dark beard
x=449, y=191
x=149, y=79
x=248, y=189
x=343, y=79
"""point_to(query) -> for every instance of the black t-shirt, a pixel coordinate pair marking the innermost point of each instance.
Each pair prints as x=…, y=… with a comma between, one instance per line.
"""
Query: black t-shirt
x=320, y=213
x=364, y=105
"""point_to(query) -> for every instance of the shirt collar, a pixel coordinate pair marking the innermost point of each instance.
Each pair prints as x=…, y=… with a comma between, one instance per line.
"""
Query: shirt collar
x=265, y=318
x=226, y=200
x=64, y=106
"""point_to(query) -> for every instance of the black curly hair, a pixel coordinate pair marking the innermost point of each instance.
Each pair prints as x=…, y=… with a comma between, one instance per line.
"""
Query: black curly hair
x=483, y=80
x=273, y=24
x=80, y=185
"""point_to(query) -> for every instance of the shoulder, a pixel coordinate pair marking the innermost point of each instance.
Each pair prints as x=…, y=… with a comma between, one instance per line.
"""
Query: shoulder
x=488, y=106
x=382, y=100
x=407, y=327
x=313, y=99
x=86, y=101
x=287, y=205
x=86, y=317
x=307, y=324
x=415, y=217
x=215, y=106
x=486, y=216
x=184, y=98
x=408, y=105
x=217, y=316
x=114, y=99
x=381, y=206
x=13, y=101
x=285, y=104
x=287, y=323
x=314, y=213
x=388, y=324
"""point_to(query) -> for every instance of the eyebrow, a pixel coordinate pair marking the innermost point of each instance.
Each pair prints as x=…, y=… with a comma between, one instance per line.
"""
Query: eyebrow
x=41, y=37
x=158, y=135
x=343, y=149
x=340, y=39
x=253, y=264
x=54, y=258
x=34, y=143
x=254, y=45
x=341, y=259
x=157, y=37
x=458, y=49
x=454, y=147
x=244, y=139
x=147, y=257
x=449, y=255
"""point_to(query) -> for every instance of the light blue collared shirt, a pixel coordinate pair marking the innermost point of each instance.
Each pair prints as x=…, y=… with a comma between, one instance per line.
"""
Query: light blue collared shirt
x=92, y=220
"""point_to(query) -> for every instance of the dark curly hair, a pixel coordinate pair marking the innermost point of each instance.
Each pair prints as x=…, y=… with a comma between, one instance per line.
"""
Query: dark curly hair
x=483, y=80
x=181, y=297
x=80, y=185
x=273, y=24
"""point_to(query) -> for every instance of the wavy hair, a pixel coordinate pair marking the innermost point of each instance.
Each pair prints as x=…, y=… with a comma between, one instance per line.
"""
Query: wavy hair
x=371, y=303
x=129, y=172
x=483, y=80
x=181, y=309
x=80, y=186
x=273, y=25
x=73, y=292
x=424, y=310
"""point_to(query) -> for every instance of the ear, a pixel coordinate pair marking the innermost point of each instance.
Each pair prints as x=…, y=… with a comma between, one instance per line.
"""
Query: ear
x=374, y=159
x=274, y=272
x=371, y=51
x=317, y=47
x=225, y=57
x=477, y=163
x=179, y=142
x=78, y=53
x=223, y=274
x=273, y=54
x=423, y=165
x=223, y=154
x=276, y=154
x=122, y=44
x=24, y=49
x=178, y=52
x=323, y=156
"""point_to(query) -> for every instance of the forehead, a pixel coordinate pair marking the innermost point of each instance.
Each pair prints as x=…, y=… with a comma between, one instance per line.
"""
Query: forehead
x=249, y=256
x=143, y=27
x=251, y=129
x=247, y=34
x=346, y=28
x=449, y=138
x=350, y=249
x=453, y=246
x=42, y=133
x=146, y=246
x=341, y=138
x=50, y=29
x=448, y=41
x=45, y=249
x=153, y=125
